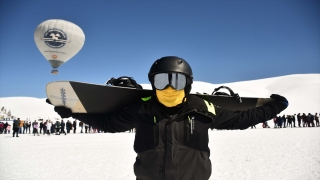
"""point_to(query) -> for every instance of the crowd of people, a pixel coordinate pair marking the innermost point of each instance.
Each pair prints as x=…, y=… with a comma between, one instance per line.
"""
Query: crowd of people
x=49, y=127
x=303, y=120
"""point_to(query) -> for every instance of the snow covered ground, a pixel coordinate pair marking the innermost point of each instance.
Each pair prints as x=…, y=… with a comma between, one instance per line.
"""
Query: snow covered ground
x=264, y=154
x=290, y=153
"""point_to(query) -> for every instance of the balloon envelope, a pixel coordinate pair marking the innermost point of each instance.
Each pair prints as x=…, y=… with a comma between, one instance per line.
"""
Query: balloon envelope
x=58, y=40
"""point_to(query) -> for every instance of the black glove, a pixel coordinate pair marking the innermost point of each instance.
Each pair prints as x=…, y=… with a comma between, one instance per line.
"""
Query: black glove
x=280, y=102
x=63, y=111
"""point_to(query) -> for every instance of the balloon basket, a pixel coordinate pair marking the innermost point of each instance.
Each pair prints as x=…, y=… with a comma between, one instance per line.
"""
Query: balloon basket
x=54, y=71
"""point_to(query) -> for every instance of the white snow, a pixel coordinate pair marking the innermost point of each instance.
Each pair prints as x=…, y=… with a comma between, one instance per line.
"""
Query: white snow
x=290, y=153
x=264, y=154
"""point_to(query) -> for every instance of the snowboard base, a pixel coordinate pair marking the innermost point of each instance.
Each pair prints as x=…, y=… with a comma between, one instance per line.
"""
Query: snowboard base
x=93, y=98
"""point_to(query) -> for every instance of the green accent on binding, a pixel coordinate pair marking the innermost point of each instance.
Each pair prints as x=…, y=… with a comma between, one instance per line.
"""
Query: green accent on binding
x=146, y=98
x=189, y=119
x=210, y=107
x=154, y=119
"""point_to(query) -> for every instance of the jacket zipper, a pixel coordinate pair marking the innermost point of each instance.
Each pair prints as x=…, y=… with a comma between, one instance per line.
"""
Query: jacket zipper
x=155, y=128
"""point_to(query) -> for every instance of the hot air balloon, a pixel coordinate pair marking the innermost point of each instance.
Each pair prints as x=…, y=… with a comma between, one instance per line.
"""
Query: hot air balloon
x=58, y=40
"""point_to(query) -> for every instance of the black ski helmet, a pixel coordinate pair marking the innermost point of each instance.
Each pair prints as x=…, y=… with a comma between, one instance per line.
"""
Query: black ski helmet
x=172, y=64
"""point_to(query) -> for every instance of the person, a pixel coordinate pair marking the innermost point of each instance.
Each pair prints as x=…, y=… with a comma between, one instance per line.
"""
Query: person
x=1, y=127
x=68, y=124
x=9, y=128
x=21, y=126
x=45, y=127
x=49, y=125
x=316, y=117
x=311, y=120
x=265, y=124
x=289, y=120
x=41, y=127
x=16, y=127
x=305, y=120
x=299, y=119
x=5, y=127
x=35, y=128
x=57, y=127
x=284, y=120
x=171, y=139
x=63, y=124
x=275, y=122
x=33, y=123
x=28, y=127
x=86, y=126
x=24, y=127
x=279, y=121
x=294, y=120
x=74, y=126
x=81, y=126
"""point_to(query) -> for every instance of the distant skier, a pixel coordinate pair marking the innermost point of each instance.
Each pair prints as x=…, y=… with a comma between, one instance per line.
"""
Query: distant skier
x=171, y=139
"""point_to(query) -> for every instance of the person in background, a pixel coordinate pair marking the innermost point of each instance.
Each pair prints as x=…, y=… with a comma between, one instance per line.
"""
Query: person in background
x=1, y=127
x=45, y=127
x=5, y=127
x=316, y=117
x=57, y=127
x=49, y=125
x=8, y=129
x=28, y=127
x=35, y=129
x=279, y=121
x=41, y=127
x=294, y=120
x=74, y=126
x=81, y=126
x=33, y=123
x=52, y=129
x=63, y=124
x=68, y=124
x=86, y=128
x=275, y=122
x=16, y=127
x=23, y=127
x=284, y=121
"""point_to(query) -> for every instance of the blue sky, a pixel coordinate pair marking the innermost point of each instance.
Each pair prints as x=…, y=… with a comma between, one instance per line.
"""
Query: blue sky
x=223, y=41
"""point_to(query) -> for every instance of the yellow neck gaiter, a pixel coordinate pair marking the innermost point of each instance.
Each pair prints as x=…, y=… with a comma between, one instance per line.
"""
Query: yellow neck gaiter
x=170, y=97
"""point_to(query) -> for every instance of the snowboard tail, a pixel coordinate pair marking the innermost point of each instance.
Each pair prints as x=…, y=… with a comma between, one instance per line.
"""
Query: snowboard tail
x=98, y=99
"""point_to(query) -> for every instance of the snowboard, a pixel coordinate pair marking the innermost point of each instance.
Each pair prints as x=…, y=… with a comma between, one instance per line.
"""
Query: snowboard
x=93, y=98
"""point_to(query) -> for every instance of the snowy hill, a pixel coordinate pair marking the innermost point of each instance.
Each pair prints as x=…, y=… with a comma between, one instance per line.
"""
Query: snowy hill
x=302, y=91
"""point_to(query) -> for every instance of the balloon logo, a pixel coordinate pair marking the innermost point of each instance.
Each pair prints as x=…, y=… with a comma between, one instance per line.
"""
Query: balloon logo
x=58, y=41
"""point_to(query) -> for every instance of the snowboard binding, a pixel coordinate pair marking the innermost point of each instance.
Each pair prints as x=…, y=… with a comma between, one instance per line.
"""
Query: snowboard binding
x=232, y=94
x=124, y=81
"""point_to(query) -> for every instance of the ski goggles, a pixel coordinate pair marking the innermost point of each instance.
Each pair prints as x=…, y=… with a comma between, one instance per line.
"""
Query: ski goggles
x=176, y=80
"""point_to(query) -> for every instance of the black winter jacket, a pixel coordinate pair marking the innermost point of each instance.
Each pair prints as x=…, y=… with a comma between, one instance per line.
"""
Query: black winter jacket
x=172, y=143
